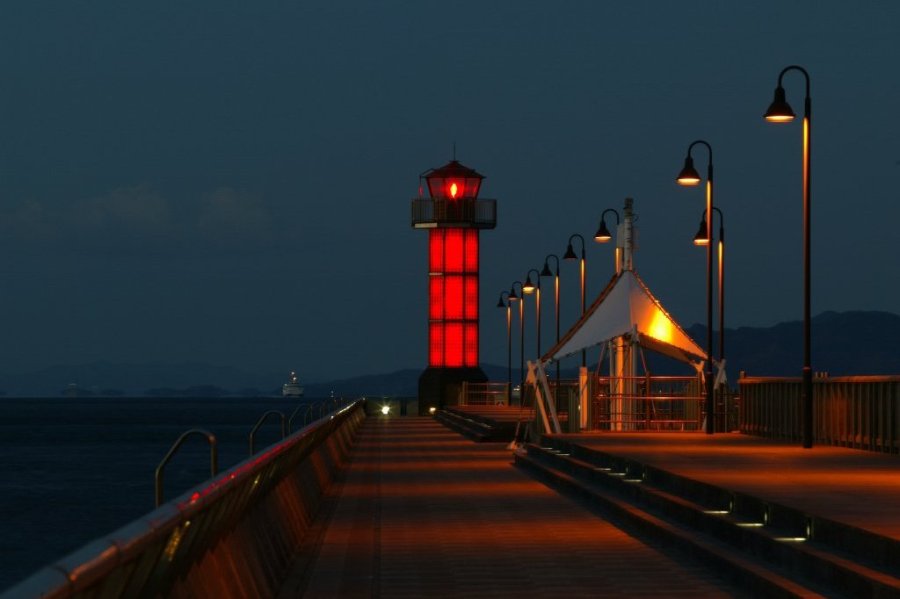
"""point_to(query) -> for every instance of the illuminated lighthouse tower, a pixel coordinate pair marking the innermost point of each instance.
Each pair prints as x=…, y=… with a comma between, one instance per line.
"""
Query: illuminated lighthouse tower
x=453, y=215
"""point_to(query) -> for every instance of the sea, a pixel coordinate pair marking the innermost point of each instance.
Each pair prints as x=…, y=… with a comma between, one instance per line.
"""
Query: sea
x=75, y=469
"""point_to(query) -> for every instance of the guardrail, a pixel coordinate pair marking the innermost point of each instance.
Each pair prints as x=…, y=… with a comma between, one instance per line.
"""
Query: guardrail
x=646, y=403
x=851, y=411
x=484, y=394
x=234, y=535
x=463, y=212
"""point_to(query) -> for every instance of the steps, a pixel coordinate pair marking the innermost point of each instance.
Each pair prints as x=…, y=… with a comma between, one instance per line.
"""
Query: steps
x=478, y=427
x=771, y=550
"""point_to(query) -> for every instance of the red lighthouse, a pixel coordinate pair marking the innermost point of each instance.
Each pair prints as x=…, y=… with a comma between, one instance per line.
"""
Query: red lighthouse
x=453, y=214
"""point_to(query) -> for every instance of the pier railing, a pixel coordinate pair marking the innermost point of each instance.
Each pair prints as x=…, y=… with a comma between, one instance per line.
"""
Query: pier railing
x=233, y=536
x=484, y=394
x=852, y=411
x=646, y=403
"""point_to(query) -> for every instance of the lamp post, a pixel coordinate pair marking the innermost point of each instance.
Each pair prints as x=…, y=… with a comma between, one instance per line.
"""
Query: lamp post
x=701, y=239
x=603, y=235
x=529, y=287
x=570, y=255
x=690, y=177
x=546, y=272
x=780, y=112
x=506, y=304
x=521, y=299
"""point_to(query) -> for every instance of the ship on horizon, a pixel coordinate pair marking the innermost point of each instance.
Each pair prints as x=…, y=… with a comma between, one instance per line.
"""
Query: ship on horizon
x=292, y=388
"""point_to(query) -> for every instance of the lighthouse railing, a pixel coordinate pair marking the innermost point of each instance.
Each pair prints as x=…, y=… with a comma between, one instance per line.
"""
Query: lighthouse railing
x=463, y=212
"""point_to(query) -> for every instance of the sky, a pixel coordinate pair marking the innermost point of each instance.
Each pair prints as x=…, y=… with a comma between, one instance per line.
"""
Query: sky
x=229, y=182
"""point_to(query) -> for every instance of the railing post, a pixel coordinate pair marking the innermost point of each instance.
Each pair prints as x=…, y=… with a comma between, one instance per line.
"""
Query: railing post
x=213, y=459
x=260, y=422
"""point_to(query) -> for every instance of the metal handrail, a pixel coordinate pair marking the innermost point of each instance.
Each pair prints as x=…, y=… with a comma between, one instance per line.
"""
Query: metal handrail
x=213, y=458
x=290, y=426
x=260, y=422
x=183, y=542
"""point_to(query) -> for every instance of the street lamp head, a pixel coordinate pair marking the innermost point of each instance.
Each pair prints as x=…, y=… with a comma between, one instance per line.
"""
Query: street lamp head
x=546, y=272
x=528, y=287
x=500, y=302
x=779, y=110
x=570, y=253
x=602, y=235
x=512, y=294
x=700, y=238
x=688, y=175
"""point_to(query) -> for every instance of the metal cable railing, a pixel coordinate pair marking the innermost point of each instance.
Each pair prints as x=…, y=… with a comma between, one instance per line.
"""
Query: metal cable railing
x=236, y=531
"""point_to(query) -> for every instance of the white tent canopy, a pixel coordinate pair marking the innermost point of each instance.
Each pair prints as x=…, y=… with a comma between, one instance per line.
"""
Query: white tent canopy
x=626, y=306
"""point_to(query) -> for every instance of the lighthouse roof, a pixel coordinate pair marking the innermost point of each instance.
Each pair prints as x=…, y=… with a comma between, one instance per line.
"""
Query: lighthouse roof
x=453, y=169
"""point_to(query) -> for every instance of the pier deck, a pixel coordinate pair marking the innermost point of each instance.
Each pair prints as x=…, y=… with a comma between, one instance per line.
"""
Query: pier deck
x=424, y=512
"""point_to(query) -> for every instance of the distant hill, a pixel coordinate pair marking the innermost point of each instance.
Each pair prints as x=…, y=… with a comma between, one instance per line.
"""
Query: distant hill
x=112, y=379
x=844, y=343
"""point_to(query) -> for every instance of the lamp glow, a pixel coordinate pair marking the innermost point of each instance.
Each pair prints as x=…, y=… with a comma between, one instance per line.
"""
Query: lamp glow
x=688, y=175
x=700, y=238
x=602, y=235
x=528, y=287
x=779, y=110
x=385, y=409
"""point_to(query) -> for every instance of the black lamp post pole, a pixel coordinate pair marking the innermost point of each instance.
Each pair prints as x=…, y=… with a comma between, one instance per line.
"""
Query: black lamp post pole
x=536, y=288
x=570, y=255
x=506, y=304
x=701, y=239
x=546, y=272
x=780, y=112
x=694, y=180
x=521, y=299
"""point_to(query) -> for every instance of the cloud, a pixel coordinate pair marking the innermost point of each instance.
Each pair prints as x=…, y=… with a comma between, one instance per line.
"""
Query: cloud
x=127, y=209
x=227, y=214
x=138, y=217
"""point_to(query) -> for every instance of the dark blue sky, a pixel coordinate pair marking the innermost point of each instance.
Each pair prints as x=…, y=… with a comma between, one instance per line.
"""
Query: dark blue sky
x=230, y=182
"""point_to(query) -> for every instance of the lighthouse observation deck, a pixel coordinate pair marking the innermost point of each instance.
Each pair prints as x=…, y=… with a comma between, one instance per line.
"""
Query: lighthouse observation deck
x=464, y=213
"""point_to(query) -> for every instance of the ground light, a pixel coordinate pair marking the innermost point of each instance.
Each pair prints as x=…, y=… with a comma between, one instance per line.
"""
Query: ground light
x=385, y=409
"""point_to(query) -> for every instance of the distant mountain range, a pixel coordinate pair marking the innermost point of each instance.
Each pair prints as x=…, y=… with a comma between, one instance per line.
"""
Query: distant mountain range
x=844, y=343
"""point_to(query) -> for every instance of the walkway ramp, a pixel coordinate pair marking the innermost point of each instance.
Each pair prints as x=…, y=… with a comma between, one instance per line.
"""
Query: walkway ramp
x=423, y=512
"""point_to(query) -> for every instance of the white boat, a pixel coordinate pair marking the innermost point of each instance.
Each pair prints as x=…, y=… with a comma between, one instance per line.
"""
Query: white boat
x=292, y=388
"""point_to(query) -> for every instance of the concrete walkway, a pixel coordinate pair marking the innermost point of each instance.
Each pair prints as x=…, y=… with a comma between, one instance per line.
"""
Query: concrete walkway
x=424, y=512
x=855, y=487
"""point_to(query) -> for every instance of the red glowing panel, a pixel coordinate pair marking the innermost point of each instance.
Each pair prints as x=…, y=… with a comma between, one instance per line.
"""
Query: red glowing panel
x=471, y=250
x=471, y=351
x=454, y=305
x=435, y=344
x=453, y=344
x=471, y=297
x=454, y=250
x=436, y=250
x=435, y=297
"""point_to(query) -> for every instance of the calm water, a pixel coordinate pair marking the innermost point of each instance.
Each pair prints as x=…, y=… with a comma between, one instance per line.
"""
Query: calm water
x=72, y=470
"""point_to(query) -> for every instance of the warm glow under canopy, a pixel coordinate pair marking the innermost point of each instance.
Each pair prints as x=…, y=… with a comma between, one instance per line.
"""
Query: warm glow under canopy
x=627, y=305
